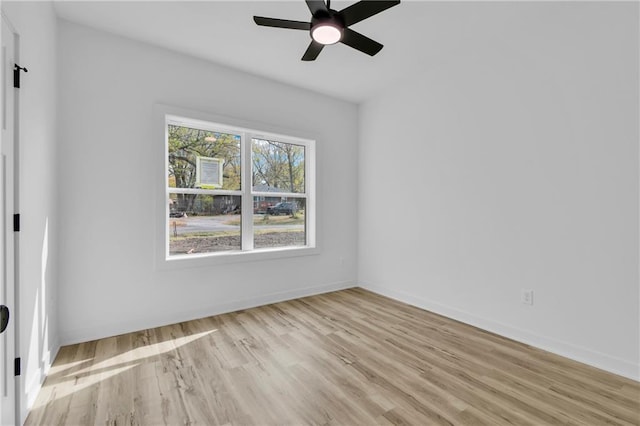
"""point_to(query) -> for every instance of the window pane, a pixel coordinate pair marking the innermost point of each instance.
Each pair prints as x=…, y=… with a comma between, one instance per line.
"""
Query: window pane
x=203, y=159
x=277, y=166
x=203, y=223
x=279, y=222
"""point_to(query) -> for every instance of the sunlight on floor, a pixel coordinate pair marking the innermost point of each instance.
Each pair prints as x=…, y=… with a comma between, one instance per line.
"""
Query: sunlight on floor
x=94, y=372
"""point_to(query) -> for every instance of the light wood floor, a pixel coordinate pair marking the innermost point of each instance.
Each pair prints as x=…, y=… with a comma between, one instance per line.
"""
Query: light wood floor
x=349, y=357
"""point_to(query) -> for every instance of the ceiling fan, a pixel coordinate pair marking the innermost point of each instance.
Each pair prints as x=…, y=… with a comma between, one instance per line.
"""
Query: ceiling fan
x=328, y=26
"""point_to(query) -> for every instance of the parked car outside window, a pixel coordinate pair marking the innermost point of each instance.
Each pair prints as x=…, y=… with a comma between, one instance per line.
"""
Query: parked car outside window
x=285, y=207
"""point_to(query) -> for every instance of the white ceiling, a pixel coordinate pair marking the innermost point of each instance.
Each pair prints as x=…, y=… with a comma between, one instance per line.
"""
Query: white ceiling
x=417, y=36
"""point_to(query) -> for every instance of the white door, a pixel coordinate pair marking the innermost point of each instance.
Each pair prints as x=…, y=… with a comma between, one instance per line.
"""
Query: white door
x=7, y=272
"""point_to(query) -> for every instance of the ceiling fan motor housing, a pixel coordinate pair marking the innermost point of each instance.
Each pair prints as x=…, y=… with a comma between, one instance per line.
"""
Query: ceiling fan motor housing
x=331, y=18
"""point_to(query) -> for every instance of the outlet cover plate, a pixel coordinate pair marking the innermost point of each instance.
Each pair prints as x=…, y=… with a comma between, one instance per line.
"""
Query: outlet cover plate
x=527, y=297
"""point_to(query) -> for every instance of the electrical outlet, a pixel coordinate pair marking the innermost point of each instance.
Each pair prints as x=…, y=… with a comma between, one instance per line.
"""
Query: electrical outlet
x=527, y=297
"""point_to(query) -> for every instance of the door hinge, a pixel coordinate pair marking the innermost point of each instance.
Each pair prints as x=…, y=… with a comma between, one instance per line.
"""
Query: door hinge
x=16, y=75
x=16, y=222
x=16, y=367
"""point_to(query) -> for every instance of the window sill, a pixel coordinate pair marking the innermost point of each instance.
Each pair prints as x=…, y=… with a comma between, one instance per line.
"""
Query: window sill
x=215, y=259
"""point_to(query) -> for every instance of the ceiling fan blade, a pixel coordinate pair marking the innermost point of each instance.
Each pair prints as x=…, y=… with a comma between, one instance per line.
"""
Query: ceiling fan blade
x=313, y=51
x=316, y=5
x=364, y=9
x=282, y=23
x=360, y=42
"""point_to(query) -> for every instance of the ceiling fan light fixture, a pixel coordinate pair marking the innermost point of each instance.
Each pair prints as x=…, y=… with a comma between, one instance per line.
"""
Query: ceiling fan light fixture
x=326, y=33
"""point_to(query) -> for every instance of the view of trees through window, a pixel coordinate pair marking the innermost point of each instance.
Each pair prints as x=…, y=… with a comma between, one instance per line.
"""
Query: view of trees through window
x=278, y=165
x=204, y=180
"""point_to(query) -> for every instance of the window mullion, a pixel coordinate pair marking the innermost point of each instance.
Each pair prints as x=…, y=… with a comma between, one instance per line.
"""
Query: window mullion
x=310, y=188
x=247, y=197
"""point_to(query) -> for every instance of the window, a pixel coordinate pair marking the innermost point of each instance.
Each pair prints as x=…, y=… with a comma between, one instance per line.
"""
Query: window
x=232, y=190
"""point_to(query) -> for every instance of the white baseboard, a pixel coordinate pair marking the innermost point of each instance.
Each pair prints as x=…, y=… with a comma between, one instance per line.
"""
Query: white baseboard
x=80, y=335
x=587, y=356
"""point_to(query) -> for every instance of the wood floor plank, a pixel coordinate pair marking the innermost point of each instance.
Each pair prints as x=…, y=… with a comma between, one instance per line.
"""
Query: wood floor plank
x=344, y=358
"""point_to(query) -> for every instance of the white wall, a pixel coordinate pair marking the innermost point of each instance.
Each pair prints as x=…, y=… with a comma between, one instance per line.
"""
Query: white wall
x=514, y=165
x=36, y=23
x=108, y=87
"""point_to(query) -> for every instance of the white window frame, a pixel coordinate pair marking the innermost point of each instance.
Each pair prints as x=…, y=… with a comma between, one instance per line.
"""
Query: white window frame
x=165, y=115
